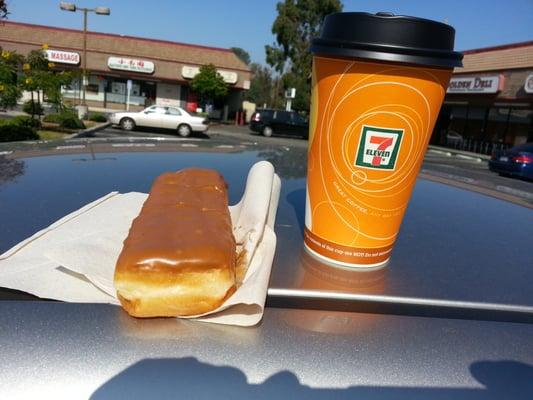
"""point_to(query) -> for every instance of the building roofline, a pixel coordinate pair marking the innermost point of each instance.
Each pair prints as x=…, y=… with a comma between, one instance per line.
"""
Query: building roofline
x=499, y=47
x=121, y=54
x=114, y=35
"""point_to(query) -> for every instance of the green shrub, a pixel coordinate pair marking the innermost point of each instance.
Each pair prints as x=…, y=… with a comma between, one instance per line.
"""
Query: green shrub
x=66, y=119
x=23, y=120
x=54, y=118
x=97, y=117
x=33, y=108
x=71, y=122
x=10, y=132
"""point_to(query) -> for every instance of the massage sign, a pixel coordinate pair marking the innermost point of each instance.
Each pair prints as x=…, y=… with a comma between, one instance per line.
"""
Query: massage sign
x=63, y=57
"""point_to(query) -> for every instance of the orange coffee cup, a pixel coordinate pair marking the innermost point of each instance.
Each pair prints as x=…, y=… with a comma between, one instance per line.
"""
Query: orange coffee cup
x=378, y=84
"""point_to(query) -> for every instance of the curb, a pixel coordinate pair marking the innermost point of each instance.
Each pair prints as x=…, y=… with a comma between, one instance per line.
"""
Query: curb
x=459, y=153
x=89, y=131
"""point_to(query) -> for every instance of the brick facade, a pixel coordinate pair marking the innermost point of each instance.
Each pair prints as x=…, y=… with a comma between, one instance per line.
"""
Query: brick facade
x=504, y=118
x=169, y=59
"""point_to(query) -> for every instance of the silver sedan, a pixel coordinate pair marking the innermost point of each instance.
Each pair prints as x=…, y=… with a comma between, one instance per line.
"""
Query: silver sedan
x=161, y=117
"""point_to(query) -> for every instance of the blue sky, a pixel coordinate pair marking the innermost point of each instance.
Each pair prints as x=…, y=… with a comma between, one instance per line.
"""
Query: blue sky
x=248, y=23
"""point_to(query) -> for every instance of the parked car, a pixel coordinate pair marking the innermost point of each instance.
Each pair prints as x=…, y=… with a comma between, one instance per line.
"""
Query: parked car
x=161, y=117
x=270, y=122
x=517, y=161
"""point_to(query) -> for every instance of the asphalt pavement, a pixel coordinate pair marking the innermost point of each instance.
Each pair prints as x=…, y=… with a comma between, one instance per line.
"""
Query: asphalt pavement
x=462, y=170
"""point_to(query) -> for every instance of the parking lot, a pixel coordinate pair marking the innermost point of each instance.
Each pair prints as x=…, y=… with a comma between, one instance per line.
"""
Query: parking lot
x=460, y=170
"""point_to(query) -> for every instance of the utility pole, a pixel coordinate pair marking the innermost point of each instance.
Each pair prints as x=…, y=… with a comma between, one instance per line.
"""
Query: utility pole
x=83, y=109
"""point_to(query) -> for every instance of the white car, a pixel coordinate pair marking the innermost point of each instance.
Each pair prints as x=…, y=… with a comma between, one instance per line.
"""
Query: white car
x=161, y=117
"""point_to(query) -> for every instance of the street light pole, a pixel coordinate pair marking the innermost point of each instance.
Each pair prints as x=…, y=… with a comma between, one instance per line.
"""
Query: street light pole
x=84, y=72
x=98, y=10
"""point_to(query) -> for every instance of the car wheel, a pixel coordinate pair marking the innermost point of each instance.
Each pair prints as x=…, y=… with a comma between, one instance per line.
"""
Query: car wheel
x=267, y=131
x=127, y=124
x=184, y=130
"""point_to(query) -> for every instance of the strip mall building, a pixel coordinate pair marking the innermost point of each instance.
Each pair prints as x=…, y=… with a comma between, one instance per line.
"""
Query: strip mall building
x=159, y=71
x=490, y=99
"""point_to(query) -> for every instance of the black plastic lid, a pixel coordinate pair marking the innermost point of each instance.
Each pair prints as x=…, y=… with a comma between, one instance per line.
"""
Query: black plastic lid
x=388, y=37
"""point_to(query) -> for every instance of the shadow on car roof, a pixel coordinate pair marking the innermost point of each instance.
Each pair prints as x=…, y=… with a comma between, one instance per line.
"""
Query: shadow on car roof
x=189, y=378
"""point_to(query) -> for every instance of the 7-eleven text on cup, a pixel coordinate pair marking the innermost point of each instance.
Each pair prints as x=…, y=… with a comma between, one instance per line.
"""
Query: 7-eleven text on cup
x=378, y=147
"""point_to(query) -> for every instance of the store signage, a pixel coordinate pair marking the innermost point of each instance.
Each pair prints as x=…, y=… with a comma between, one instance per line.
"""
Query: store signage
x=131, y=64
x=528, y=87
x=189, y=72
x=63, y=57
x=228, y=76
x=475, y=84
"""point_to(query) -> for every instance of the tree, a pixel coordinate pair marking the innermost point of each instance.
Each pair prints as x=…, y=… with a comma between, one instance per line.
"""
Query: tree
x=35, y=70
x=3, y=10
x=209, y=84
x=10, y=90
x=40, y=77
x=51, y=86
x=298, y=21
x=260, y=91
x=243, y=55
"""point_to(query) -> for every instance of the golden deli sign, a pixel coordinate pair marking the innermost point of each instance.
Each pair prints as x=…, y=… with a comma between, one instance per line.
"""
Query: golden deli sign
x=131, y=64
x=63, y=57
x=475, y=84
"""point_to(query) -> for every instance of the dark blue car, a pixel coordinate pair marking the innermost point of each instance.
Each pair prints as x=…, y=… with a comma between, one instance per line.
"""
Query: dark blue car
x=516, y=161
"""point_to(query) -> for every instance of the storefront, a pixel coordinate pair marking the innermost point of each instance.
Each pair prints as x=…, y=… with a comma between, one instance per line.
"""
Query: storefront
x=128, y=72
x=489, y=102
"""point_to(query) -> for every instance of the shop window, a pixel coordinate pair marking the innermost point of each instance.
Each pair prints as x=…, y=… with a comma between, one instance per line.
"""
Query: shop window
x=93, y=85
x=142, y=93
x=458, y=119
x=498, y=114
x=459, y=112
x=520, y=116
x=74, y=84
x=92, y=88
x=520, y=128
x=496, y=124
x=476, y=113
x=474, y=125
x=118, y=87
x=135, y=89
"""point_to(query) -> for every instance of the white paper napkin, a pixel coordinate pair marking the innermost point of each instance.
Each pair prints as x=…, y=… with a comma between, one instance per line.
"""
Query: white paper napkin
x=74, y=259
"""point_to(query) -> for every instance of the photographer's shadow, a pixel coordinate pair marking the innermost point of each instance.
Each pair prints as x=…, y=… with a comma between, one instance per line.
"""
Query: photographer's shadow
x=188, y=378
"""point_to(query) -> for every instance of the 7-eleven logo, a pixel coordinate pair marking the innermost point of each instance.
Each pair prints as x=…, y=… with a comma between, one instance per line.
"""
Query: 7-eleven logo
x=378, y=147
